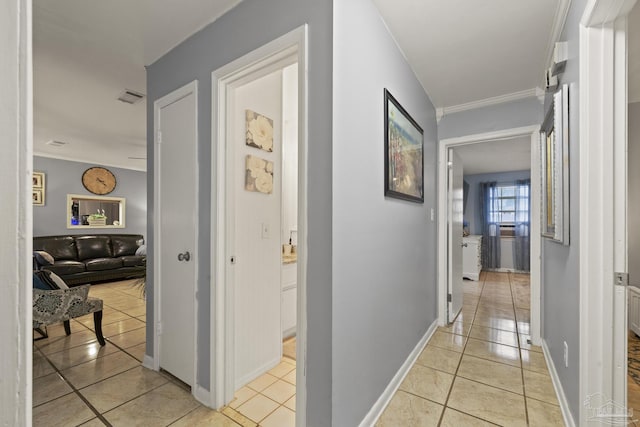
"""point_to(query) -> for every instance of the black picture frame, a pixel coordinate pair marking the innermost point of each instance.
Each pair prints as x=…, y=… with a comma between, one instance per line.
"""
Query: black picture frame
x=403, y=153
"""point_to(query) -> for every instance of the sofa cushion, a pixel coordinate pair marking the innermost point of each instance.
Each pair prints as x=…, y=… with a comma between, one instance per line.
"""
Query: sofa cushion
x=133, y=260
x=100, y=264
x=59, y=247
x=124, y=245
x=63, y=268
x=91, y=247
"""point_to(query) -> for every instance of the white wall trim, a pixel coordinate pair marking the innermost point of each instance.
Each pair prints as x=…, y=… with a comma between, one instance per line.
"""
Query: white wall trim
x=148, y=362
x=603, y=127
x=557, y=385
x=16, y=234
x=186, y=90
x=509, y=97
x=560, y=17
x=378, y=408
x=443, y=146
x=77, y=160
x=203, y=395
x=262, y=59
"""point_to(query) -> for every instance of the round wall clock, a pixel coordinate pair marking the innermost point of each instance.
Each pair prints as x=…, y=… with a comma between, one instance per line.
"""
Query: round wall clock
x=99, y=180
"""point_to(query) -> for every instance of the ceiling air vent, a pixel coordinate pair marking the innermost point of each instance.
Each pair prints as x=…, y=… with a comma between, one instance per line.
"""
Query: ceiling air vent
x=137, y=158
x=130, y=96
x=55, y=143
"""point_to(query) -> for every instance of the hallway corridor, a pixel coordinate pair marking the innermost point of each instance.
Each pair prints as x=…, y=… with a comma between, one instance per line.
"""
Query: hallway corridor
x=480, y=370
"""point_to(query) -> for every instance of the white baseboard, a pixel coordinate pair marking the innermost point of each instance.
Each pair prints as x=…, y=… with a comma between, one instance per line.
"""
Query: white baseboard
x=378, y=408
x=562, y=398
x=148, y=362
x=257, y=372
x=203, y=396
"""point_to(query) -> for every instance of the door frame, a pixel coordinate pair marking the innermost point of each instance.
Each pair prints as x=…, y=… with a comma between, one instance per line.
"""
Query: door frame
x=16, y=98
x=443, y=147
x=603, y=202
x=174, y=96
x=451, y=156
x=222, y=79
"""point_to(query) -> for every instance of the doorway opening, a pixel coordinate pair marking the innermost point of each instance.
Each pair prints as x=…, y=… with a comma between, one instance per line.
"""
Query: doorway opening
x=502, y=217
x=259, y=119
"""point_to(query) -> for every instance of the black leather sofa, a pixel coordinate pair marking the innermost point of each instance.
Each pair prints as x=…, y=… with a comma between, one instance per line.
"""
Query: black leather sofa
x=80, y=259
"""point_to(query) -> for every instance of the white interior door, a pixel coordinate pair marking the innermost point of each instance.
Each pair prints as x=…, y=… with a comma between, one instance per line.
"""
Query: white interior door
x=177, y=207
x=254, y=219
x=455, y=215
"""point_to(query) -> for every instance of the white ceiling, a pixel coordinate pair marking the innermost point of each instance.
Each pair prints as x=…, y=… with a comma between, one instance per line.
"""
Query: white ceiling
x=464, y=51
x=86, y=52
x=513, y=154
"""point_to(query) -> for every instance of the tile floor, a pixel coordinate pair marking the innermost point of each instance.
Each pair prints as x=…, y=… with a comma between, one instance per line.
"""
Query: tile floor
x=477, y=371
x=480, y=370
x=77, y=382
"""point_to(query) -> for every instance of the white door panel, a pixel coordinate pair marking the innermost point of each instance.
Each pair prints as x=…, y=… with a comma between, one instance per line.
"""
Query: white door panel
x=177, y=193
x=455, y=211
x=254, y=234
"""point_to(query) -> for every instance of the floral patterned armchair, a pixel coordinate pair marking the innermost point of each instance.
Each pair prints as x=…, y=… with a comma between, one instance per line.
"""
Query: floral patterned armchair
x=60, y=305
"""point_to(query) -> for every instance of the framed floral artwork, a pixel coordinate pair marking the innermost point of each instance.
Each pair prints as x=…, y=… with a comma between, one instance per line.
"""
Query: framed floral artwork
x=259, y=131
x=403, y=153
x=259, y=175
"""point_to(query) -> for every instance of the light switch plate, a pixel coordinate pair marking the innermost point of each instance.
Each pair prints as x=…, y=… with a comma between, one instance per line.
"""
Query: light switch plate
x=266, y=231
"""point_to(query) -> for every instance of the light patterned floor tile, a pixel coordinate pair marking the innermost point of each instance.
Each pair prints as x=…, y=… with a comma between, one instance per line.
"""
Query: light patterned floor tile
x=488, y=403
x=448, y=341
x=539, y=386
x=49, y=387
x=492, y=351
x=409, y=410
x=257, y=408
x=453, y=418
x=427, y=383
x=68, y=410
x=262, y=382
x=204, y=417
x=114, y=391
x=281, y=417
x=159, y=407
x=280, y=391
x=543, y=414
x=439, y=358
x=491, y=373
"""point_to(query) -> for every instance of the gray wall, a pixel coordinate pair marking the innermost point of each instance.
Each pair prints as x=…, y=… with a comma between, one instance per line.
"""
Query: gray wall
x=384, y=250
x=248, y=26
x=65, y=177
x=634, y=194
x=472, y=211
x=523, y=112
x=560, y=264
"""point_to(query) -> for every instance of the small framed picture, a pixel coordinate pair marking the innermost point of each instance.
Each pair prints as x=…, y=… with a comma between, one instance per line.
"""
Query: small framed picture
x=38, y=197
x=38, y=180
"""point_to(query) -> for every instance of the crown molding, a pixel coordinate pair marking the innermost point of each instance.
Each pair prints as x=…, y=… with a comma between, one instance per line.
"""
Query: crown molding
x=562, y=9
x=78, y=160
x=509, y=97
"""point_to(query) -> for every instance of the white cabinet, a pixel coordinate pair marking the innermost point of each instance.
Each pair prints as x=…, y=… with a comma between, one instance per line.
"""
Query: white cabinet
x=471, y=257
x=289, y=299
